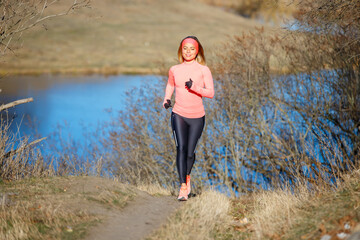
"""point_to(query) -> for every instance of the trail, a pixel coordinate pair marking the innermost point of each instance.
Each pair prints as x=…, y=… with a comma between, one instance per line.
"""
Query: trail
x=137, y=220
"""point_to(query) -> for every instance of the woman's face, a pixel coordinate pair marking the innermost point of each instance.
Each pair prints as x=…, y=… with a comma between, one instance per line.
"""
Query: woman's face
x=188, y=52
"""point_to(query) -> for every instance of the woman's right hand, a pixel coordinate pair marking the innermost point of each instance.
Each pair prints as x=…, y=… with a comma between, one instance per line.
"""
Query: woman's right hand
x=167, y=104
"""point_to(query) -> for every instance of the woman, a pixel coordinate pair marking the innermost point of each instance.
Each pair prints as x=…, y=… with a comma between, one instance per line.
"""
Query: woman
x=192, y=80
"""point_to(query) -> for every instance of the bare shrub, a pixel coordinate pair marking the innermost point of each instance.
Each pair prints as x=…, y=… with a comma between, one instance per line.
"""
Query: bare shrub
x=264, y=128
x=329, y=100
x=271, y=129
x=19, y=158
x=20, y=15
x=76, y=157
x=141, y=148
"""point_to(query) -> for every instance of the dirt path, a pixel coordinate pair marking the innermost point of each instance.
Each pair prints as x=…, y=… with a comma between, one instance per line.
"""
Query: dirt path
x=137, y=220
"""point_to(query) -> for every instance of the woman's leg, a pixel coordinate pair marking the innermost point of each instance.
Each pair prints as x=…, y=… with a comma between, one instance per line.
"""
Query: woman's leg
x=196, y=126
x=181, y=132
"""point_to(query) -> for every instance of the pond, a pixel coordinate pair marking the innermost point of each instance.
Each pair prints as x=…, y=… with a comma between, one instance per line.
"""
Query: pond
x=77, y=102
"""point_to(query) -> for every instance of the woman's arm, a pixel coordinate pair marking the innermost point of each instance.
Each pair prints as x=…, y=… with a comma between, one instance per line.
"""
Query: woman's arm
x=208, y=91
x=170, y=86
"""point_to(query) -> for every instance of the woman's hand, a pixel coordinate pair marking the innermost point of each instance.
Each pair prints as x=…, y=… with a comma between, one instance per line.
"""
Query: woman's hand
x=188, y=84
x=167, y=104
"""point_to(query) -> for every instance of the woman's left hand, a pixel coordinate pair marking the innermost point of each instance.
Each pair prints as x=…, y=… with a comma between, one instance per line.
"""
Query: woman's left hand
x=188, y=84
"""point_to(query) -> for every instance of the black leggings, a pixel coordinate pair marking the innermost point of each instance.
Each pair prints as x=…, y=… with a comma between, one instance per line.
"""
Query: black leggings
x=187, y=132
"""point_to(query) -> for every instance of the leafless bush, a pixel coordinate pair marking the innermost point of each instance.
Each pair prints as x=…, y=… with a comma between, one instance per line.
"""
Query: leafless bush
x=141, y=148
x=263, y=129
x=18, y=157
x=20, y=15
x=77, y=157
x=332, y=84
x=303, y=125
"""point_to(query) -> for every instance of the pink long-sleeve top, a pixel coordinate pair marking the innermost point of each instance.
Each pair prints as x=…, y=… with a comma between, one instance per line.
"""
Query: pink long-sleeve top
x=188, y=102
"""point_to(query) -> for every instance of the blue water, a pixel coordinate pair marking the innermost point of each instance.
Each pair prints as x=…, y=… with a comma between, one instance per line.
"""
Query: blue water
x=73, y=102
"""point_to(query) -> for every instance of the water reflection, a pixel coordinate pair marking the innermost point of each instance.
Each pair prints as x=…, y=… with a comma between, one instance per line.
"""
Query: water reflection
x=77, y=101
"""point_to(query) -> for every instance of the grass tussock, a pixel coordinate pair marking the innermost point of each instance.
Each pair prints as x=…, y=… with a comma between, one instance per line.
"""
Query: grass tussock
x=199, y=218
x=155, y=189
x=57, y=208
x=276, y=211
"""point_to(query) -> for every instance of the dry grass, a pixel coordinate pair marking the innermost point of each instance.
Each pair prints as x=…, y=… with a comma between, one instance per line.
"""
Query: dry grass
x=154, y=189
x=199, y=218
x=54, y=208
x=330, y=212
x=41, y=221
x=275, y=214
x=276, y=211
x=18, y=158
x=120, y=36
x=270, y=10
x=297, y=214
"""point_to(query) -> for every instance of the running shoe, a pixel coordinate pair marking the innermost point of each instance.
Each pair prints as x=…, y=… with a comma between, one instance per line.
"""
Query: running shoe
x=188, y=185
x=183, y=196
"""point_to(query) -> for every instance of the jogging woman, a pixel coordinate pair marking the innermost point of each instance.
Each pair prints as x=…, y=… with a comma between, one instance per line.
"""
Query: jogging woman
x=191, y=80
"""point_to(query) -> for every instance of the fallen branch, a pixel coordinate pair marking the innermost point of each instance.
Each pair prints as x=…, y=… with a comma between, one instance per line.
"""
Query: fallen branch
x=14, y=103
x=20, y=149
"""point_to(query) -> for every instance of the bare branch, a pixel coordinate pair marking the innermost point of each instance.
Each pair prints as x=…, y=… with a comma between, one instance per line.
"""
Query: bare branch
x=24, y=15
x=14, y=103
x=20, y=149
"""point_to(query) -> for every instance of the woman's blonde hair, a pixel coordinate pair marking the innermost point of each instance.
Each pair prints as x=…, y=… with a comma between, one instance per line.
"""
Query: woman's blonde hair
x=200, y=57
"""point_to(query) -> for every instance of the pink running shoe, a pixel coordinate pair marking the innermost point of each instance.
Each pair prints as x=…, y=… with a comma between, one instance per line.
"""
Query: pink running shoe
x=183, y=196
x=188, y=185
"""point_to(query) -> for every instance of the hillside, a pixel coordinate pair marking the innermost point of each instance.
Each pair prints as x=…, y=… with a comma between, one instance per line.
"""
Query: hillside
x=120, y=36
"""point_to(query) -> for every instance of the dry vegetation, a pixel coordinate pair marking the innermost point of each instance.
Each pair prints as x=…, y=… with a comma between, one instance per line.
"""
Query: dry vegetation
x=57, y=207
x=301, y=214
x=289, y=141
x=199, y=219
x=118, y=37
x=263, y=129
x=19, y=15
x=18, y=158
x=290, y=213
x=269, y=10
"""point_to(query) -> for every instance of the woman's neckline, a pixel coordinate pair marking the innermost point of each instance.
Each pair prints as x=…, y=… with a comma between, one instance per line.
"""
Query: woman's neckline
x=188, y=64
